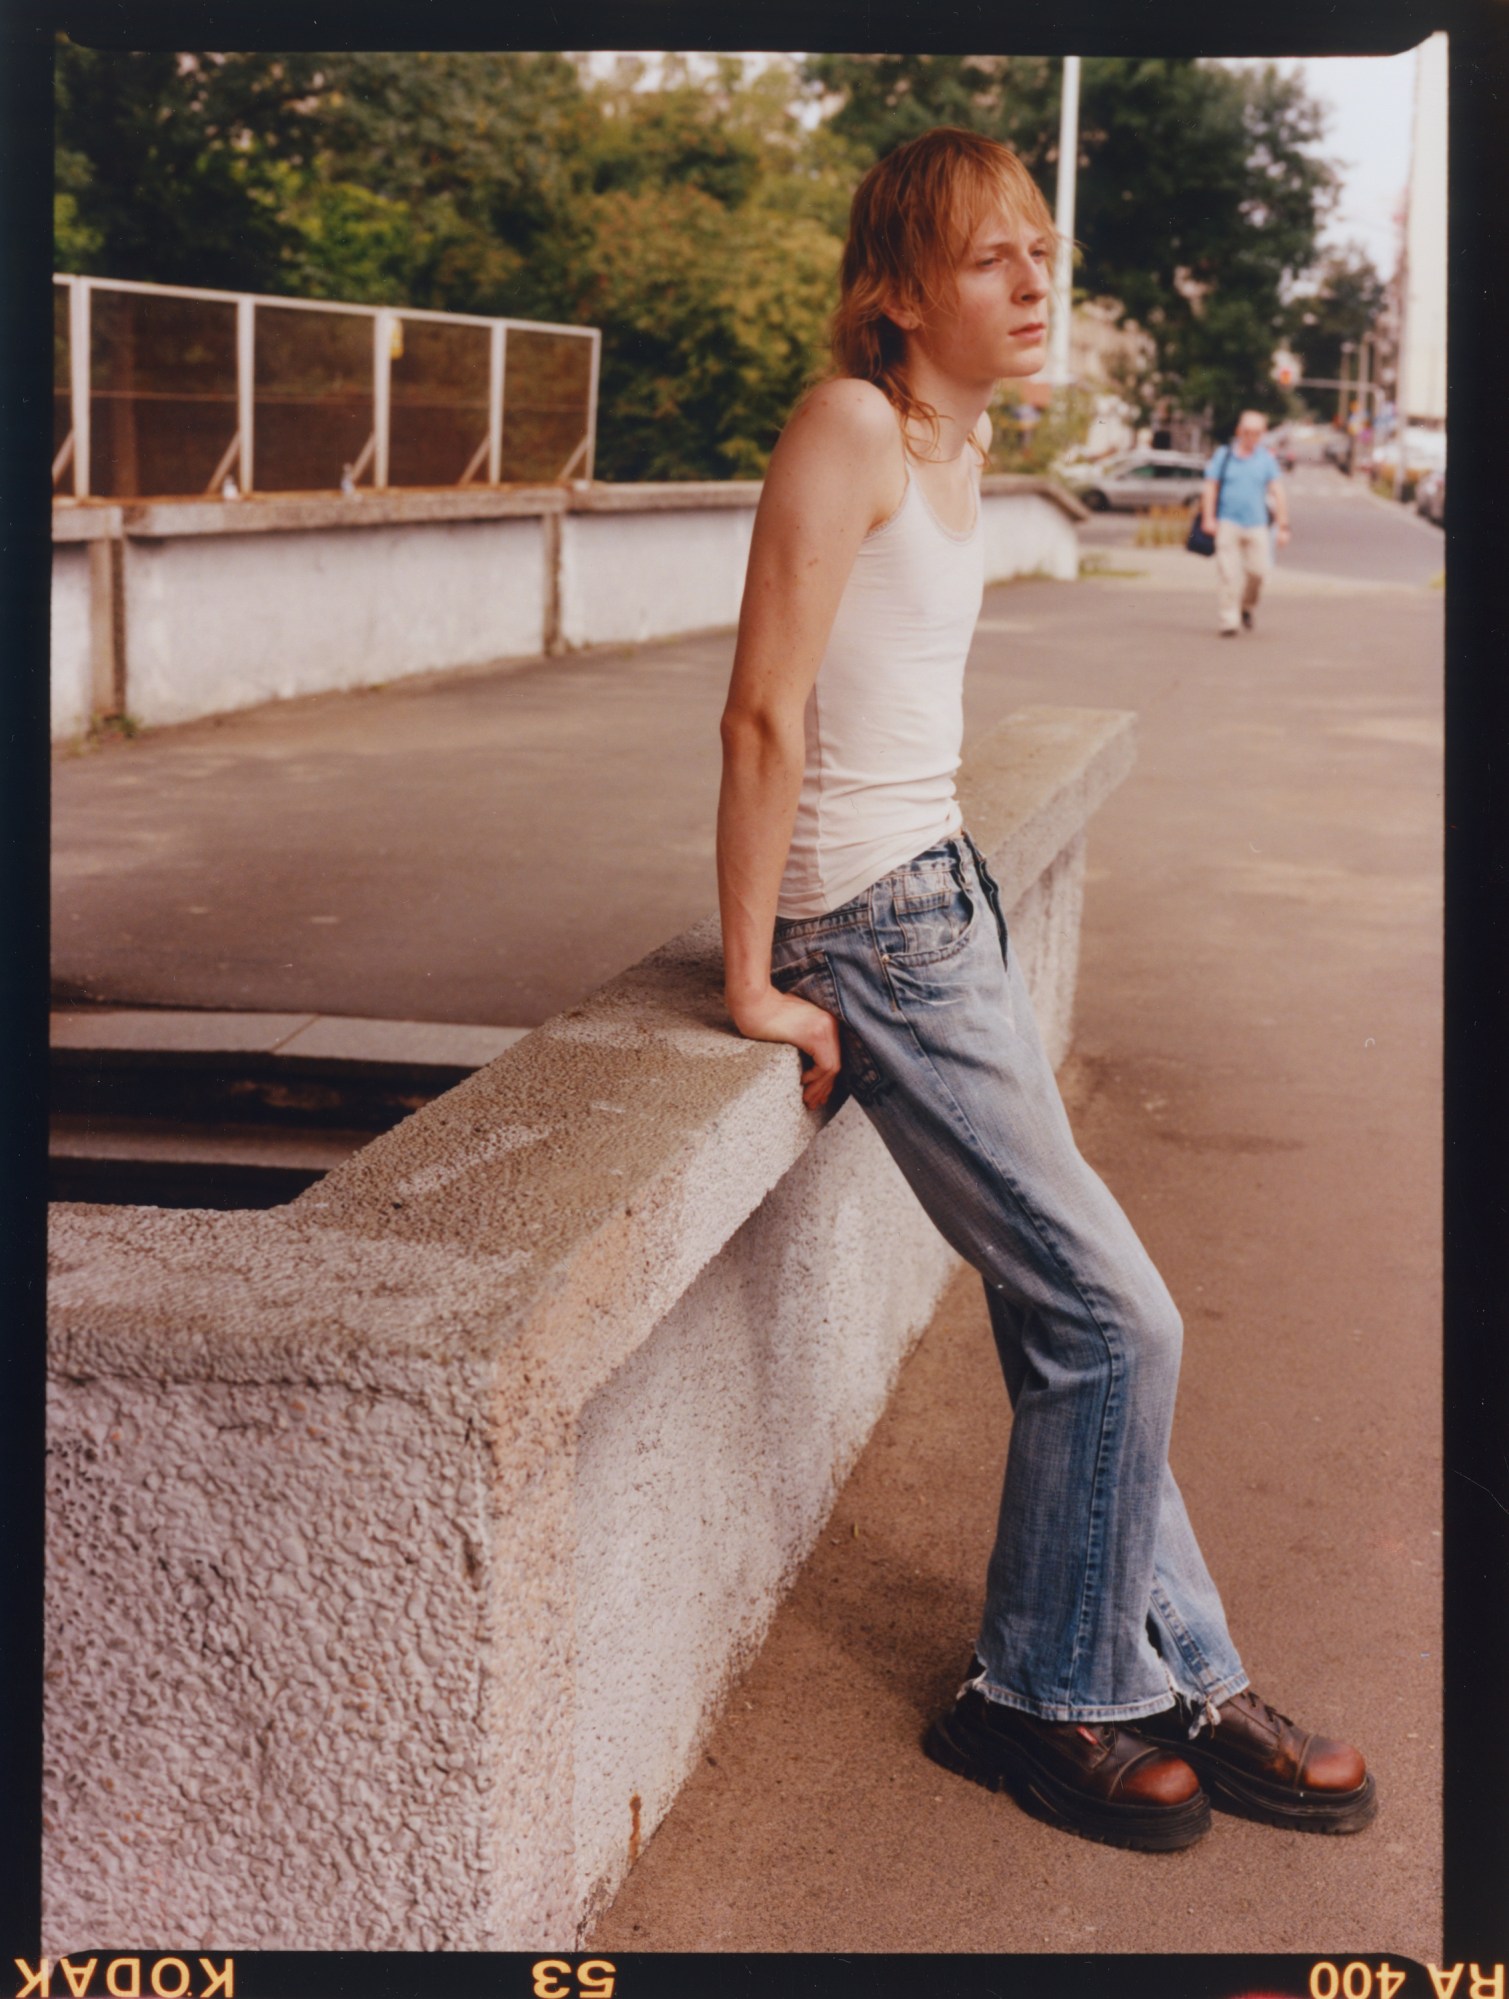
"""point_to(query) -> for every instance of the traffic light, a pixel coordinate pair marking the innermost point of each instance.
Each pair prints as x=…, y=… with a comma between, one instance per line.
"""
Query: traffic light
x=1286, y=375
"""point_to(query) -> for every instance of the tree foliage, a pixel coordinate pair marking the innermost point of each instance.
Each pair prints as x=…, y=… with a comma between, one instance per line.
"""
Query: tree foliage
x=697, y=217
x=1342, y=302
x=1199, y=195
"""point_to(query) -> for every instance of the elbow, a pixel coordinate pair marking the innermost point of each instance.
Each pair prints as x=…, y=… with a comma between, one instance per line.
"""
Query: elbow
x=759, y=735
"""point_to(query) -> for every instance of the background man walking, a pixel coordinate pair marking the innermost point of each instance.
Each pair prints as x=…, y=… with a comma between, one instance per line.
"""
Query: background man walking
x=1242, y=495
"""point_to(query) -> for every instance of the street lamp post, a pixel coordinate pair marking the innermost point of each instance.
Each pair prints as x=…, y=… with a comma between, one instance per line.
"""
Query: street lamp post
x=1063, y=222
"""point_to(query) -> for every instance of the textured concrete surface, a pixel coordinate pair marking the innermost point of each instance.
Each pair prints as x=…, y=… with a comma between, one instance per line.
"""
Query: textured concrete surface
x=533, y=1262
x=1256, y=1072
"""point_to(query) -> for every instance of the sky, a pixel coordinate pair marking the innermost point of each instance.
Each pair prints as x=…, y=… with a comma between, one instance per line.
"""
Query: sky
x=1371, y=99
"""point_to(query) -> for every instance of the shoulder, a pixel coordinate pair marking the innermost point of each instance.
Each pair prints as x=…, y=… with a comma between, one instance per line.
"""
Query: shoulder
x=846, y=411
x=1216, y=460
x=1271, y=465
x=843, y=434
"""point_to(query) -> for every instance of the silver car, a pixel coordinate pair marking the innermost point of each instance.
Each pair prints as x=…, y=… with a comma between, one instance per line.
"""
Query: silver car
x=1144, y=479
x=1430, y=497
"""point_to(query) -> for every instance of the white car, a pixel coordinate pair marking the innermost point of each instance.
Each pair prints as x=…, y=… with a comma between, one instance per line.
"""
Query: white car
x=1142, y=479
x=1424, y=450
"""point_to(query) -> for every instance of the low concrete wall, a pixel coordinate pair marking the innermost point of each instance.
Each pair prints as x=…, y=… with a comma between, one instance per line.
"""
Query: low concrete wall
x=405, y=1540
x=642, y=563
x=218, y=605
x=72, y=653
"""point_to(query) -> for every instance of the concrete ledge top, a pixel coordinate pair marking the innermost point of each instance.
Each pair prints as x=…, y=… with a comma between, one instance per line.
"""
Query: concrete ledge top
x=523, y=1234
x=1031, y=482
x=671, y=495
x=185, y=1036
x=85, y=520
x=161, y=520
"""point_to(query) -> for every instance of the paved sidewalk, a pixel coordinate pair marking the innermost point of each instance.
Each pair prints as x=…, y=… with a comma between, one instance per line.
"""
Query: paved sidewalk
x=1256, y=1072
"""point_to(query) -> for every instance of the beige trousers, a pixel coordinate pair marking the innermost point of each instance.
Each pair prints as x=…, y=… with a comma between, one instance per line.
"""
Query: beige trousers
x=1242, y=564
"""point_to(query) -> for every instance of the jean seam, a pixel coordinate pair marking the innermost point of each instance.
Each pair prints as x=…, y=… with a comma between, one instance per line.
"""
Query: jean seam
x=1087, y=1711
x=1191, y=1654
x=1115, y=1363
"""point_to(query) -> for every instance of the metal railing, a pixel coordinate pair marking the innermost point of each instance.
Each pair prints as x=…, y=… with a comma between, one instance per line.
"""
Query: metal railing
x=164, y=390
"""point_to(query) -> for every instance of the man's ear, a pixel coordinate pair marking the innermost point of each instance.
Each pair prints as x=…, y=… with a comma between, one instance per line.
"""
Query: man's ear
x=906, y=317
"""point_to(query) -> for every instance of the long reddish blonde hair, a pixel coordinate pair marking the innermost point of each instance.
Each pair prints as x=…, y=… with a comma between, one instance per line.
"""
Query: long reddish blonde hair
x=910, y=225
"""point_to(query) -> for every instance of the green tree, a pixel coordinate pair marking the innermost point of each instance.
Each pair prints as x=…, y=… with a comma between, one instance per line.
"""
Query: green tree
x=696, y=222
x=1342, y=302
x=165, y=161
x=1199, y=197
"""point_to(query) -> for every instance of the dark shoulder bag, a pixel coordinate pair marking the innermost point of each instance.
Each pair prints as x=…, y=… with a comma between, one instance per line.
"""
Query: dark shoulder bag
x=1197, y=541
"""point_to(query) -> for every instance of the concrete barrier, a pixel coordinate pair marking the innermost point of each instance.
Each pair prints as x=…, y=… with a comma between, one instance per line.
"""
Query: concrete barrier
x=200, y=607
x=404, y=1541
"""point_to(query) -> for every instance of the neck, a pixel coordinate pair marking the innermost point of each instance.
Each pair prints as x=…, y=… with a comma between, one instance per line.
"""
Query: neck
x=960, y=406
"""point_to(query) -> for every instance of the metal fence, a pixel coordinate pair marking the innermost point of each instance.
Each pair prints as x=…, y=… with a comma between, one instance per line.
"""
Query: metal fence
x=166, y=390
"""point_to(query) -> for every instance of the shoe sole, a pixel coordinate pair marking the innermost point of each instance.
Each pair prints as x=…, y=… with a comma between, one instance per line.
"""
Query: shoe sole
x=1274, y=1804
x=1002, y=1767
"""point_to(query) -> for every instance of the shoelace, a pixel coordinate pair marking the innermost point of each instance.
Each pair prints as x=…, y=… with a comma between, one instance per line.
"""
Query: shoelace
x=1101, y=1733
x=1252, y=1700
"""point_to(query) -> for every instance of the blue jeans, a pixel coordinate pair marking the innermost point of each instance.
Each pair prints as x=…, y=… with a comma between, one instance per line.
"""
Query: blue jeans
x=1098, y=1604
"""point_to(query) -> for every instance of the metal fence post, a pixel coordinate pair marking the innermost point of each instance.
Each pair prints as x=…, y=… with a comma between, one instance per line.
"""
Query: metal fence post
x=78, y=382
x=246, y=388
x=497, y=361
x=382, y=392
x=597, y=353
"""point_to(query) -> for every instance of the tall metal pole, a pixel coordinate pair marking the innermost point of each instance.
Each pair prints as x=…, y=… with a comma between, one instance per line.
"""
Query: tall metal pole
x=1063, y=222
x=79, y=382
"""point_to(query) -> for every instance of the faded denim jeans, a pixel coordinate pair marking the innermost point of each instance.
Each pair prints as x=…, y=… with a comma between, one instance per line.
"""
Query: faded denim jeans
x=1098, y=1604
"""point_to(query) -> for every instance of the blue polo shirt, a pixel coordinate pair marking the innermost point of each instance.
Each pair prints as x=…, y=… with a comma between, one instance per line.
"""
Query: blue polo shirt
x=1244, y=496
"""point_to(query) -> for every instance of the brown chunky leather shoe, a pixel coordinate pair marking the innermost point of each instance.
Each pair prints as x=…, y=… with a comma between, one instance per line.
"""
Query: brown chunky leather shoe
x=1257, y=1762
x=1090, y=1777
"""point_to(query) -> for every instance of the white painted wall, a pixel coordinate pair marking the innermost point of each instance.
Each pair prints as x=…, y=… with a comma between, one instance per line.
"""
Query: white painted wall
x=72, y=660
x=313, y=597
x=1027, y=535
x=221, y=621
x=629, y=577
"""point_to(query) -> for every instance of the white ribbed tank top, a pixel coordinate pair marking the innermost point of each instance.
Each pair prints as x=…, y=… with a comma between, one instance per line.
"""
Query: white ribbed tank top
x=885, y=718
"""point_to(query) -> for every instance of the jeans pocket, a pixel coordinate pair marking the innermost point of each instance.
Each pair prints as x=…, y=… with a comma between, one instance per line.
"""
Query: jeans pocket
x=937, y=929
x=810, y=977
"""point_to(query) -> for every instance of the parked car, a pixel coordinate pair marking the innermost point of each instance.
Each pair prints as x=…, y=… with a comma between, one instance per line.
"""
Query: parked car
x=1424, y=451
x=1430, y=497
x=1143, y=479
x=1337, y=449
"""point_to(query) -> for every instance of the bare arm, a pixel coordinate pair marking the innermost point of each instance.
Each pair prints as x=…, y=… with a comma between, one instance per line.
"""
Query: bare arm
x=1278, y=499
x=835, y=473
x=1208, y=506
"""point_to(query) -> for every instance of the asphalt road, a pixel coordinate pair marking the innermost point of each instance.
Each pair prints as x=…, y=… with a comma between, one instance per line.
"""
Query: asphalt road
x=1256, y=1073
x=1341, y=528
x=487, y=847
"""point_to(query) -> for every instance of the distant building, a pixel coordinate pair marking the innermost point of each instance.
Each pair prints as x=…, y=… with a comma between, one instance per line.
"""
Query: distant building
x=1420, y=283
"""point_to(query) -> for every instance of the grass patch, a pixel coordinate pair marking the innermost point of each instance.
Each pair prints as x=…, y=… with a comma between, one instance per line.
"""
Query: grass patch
x=1096, y=564
x=1162, y=527
x=111, y=728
